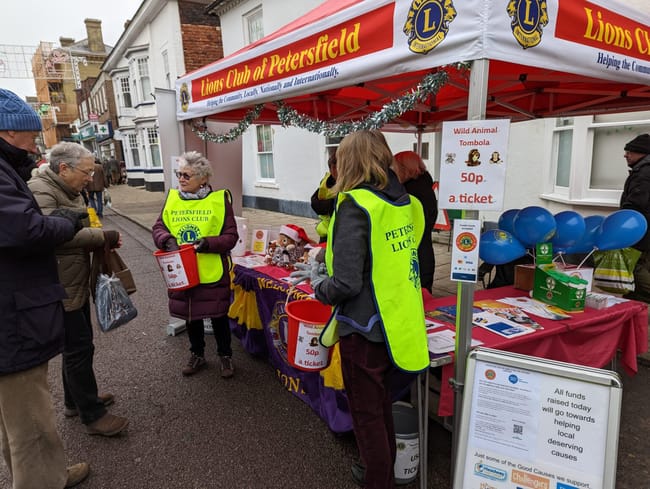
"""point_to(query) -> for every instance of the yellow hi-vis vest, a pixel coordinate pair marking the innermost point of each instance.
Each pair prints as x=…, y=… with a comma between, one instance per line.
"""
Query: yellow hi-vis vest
x=190, y=220
x=395, y=233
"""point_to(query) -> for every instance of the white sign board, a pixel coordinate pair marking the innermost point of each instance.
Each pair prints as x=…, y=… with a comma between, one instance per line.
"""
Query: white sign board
x=473, y=164
x=528, y=422
x=464, y=251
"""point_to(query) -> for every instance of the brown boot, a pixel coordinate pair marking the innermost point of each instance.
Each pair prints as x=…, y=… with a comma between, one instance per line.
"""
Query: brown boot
x=77, y=473
x=227, y=368
x=106, y=398
x=193, y=365
x=107, y=425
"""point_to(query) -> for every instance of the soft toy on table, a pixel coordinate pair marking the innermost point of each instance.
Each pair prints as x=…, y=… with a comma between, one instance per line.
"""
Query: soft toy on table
x=289, y=248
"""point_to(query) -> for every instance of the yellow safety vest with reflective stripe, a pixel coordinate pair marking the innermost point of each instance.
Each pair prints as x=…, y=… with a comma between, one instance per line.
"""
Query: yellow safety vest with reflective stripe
x=395, y=233
x=190, y=220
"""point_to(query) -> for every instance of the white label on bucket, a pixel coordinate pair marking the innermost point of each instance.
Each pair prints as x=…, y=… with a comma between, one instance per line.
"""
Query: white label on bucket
x=407, y=457
x=172, y=269
x=310, y=354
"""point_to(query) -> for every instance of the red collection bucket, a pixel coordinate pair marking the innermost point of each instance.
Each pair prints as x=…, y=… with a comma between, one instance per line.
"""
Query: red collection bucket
x=306, y=321
x=179, y=267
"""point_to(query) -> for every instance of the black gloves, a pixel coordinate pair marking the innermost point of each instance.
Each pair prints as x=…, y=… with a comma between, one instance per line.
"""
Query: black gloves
x=76, y=218
x=201, y=245
x=171, y=244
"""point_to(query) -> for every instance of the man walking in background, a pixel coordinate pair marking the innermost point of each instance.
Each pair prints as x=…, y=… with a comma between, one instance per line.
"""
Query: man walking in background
x=31, y=310
x=96, y=188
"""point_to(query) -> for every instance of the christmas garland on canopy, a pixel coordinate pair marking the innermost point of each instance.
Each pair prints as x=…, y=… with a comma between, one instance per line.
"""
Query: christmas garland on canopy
x=429, y=85
x=201, y=130
x=288, y=116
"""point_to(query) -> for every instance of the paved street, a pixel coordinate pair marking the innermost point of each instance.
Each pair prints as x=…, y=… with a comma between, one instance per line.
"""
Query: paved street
x=248, y=432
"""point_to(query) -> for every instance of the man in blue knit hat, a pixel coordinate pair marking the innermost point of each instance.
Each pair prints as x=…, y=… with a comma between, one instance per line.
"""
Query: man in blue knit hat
x=31, y=331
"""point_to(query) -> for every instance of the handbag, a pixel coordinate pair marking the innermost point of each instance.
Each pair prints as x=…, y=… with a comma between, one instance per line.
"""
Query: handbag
x=109, y=262
x=614, y=270
x=112, y=304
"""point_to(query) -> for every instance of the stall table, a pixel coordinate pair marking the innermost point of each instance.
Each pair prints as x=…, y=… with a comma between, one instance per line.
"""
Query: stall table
x=259, y=320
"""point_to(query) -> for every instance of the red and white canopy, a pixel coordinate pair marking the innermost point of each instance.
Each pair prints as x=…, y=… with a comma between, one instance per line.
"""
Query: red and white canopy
x=348, y=58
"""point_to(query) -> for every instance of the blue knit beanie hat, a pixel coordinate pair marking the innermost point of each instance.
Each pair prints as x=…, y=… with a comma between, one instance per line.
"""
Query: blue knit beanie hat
x=16, y=114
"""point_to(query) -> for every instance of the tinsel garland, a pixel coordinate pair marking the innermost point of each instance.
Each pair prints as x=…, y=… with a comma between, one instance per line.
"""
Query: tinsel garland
x=429, y=85
x=200, y=129
x=288, y=116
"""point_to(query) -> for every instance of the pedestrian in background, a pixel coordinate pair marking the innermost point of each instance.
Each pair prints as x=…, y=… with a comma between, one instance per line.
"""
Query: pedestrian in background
x=323, y=199
x=31, y=310
x=95, y=188
x=209, y=223
x=417, y=181
x=636, y=196
x=59, y=187
x=374, y=285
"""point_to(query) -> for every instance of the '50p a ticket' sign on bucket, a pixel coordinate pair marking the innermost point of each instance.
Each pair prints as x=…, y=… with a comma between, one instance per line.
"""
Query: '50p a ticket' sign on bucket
x=473, y=164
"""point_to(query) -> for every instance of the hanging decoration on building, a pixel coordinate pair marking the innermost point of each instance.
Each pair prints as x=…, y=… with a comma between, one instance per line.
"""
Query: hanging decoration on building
x=430, y=85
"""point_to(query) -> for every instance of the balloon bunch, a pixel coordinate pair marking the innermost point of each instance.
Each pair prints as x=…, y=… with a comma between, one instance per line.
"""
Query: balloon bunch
x=568, y=232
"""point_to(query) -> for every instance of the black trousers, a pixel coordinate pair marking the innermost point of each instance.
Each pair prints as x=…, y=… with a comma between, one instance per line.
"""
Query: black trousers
x=79, y=383
x=221, y=329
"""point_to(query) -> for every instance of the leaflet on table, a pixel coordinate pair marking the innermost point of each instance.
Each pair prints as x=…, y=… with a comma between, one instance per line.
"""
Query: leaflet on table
x=499, y=325
x=249, y=261
x=443, y=340
x=508, y=312
x=538, y=308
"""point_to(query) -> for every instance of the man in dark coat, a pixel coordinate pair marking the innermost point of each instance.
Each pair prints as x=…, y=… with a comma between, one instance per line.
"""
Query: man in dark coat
x=31, y=310
x=636, y=196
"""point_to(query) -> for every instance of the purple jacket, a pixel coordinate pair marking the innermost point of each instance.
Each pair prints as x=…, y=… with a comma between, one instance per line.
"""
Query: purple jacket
x=204, y=300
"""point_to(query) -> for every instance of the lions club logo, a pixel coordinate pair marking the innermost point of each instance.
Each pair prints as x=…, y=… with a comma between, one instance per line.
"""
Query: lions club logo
x=529, y=17
x=189, y=233
x=427, y=24
x=185, y=97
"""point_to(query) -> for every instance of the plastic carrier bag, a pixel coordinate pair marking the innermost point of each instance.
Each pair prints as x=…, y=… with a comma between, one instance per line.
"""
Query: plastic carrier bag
x=113, y=305
x=614, y=270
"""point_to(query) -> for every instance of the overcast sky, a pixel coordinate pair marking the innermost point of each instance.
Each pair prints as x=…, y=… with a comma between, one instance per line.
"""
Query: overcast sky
x=28, y=22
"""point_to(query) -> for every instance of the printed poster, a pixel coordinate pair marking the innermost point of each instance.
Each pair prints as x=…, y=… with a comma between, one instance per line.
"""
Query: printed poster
x=473, y=164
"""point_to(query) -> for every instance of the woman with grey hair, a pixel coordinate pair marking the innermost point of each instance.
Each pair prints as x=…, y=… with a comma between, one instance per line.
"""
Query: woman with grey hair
x=196, y=214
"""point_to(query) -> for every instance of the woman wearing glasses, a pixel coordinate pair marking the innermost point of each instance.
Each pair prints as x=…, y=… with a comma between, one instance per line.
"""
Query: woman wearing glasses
x=59, y=188
x=195, y=213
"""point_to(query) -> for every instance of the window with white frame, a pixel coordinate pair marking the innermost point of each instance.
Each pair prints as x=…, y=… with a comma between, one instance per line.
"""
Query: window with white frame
x=587, y=162
x=83, y=110
x=165, y=59
x=424, y=152
x=254, y=25
x=265, y=152
x=154, y=146
x=124, y=92
x=133, y=149
x=143, y=78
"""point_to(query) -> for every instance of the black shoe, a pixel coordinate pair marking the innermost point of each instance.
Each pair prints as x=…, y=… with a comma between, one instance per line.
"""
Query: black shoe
x=358, y=474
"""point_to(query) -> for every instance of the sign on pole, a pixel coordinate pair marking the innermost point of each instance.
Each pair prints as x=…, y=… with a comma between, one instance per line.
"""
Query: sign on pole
x=528, y=422
x=473, y=164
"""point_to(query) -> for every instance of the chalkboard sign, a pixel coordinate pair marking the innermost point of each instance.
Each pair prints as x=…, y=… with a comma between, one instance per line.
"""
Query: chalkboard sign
x=528, y=422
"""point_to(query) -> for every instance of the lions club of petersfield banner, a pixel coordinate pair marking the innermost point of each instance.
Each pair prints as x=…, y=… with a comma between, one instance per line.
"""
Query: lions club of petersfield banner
x=376, y=39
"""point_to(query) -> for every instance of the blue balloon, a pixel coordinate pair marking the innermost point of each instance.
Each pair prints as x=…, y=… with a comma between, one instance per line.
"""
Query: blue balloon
x=587, y=242
x=534, y=225
x=505, y=220
x=621, y=229
x=570, y=226
x=498, y=247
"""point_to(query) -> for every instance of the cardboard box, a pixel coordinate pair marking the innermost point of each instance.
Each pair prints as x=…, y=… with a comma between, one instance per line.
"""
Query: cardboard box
x=554, y=287
x=524, y=277
x=585, y=273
